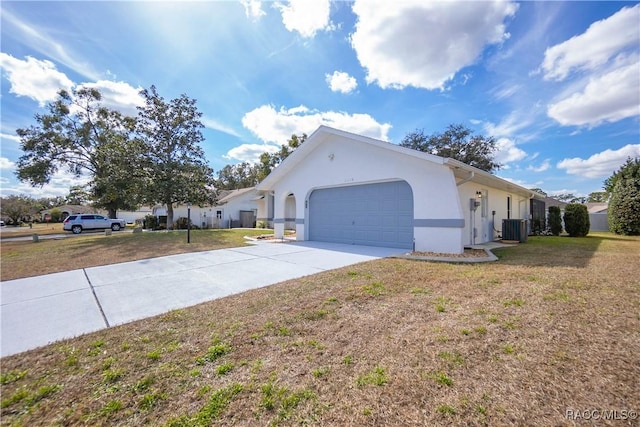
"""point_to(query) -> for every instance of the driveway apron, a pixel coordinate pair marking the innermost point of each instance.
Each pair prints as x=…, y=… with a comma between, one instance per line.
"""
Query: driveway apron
x=39, y=310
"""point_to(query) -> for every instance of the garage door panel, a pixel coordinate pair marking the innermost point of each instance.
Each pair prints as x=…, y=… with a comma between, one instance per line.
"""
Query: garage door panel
x=370, y=214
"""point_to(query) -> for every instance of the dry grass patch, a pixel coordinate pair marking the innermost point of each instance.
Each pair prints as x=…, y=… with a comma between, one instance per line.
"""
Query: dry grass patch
x=360, y=346
x=27, y=259
x=26, y=231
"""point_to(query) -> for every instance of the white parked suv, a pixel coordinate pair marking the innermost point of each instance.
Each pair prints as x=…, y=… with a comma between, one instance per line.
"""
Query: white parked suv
x=78, y=222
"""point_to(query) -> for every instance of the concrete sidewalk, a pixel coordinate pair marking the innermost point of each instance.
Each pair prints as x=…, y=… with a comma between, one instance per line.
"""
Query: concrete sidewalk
x=39, y=310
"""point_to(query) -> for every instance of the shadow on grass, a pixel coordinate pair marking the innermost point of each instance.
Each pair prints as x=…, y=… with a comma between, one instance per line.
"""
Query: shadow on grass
x=552, y=251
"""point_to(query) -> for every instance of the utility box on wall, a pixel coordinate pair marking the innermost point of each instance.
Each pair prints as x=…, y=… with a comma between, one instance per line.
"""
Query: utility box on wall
x=514, y=229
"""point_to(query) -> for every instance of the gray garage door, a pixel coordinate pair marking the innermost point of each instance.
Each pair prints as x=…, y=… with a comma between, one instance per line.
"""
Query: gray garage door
x=370, y=214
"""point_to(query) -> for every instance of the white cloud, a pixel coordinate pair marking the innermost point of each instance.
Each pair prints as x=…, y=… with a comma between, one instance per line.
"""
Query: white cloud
x=545, y=165
x=118, y=96
x=59, y=185
x=506, y=91
x=340, y=81
x=215, y=125
x=595, y=47
x=553, y=193
x=6, y=164
x=600, y=164
x=41, y=39
x=33, y=78
x=524, y=184
x=512, y=124
x=14, y=138
x=41, y=81
x=609, y=97
x=511, y=129
x=424, y=44
x=306, y=17
x=277, y=126
x=507, y=151
x=250, y=152
x=253, y=9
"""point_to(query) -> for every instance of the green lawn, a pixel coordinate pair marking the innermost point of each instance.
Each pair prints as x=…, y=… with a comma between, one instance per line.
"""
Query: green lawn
x=551, y=328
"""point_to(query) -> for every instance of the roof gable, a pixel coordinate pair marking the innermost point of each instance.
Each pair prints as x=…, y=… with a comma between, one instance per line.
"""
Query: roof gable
x=232, y=194
x=462, y=171
x=320, y=136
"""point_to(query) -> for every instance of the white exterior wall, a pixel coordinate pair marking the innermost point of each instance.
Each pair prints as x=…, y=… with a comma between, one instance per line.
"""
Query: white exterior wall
x=496, y=200
x=265, y=210
x=207, y=215
x=132, y=216
x=438, y=217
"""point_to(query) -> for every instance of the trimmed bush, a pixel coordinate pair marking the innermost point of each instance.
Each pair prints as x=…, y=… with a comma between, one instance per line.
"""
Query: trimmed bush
x=576, y=220
x=182, y=223
x=150, y=222
x=56, y=215
x=624, y=207
x=555, y=220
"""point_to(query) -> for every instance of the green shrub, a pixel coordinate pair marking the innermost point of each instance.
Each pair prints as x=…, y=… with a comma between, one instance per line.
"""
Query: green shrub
x=624, y=207
x=56, y=215
x=555, y=220
x=576, y=220
x=151, y=222
x=182, y=223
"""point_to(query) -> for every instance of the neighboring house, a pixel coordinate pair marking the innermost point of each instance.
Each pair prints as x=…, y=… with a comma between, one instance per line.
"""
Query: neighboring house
x=235, y=208
x=69, y=210
x=598, y=217
x=347, y=188
x=550, y=201
x=132, y=216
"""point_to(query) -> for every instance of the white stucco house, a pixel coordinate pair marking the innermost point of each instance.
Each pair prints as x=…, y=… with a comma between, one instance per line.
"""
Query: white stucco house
x=346, y=188
x=235, y=208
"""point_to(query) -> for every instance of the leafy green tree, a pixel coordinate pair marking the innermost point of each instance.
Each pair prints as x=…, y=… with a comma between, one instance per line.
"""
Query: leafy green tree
x=18, y=208
x=78, y=195
x=234, y=177
x=80, y=135
x=457, y=142
x=56, y=215
x=623, y=189
x=268, y=161
x=177, y=172
x=50, y=202
x=539, y=190
x=598, y=197
x=576, y=220
x=555, y=220
x=630, y=169
x=570, y=198
x=624, y=207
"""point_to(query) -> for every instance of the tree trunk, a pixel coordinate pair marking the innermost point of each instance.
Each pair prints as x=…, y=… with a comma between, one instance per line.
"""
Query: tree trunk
x=112, y=213
x=169, y=216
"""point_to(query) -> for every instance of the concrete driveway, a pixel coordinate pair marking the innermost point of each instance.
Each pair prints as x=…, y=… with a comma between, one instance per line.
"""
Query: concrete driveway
x=39, y=310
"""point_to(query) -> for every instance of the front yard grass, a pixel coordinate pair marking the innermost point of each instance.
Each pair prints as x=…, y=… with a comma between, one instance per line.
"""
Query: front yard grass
x=26, y=258
x=326, y=350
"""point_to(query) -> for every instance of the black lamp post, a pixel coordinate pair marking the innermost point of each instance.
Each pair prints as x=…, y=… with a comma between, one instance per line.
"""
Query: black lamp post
x=189, y=222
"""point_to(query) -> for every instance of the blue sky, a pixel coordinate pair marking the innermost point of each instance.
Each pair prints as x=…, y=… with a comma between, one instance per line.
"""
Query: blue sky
x=556, y=83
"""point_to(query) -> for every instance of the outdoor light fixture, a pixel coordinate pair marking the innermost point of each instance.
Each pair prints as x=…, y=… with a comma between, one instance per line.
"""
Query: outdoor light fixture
x=479, y=194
